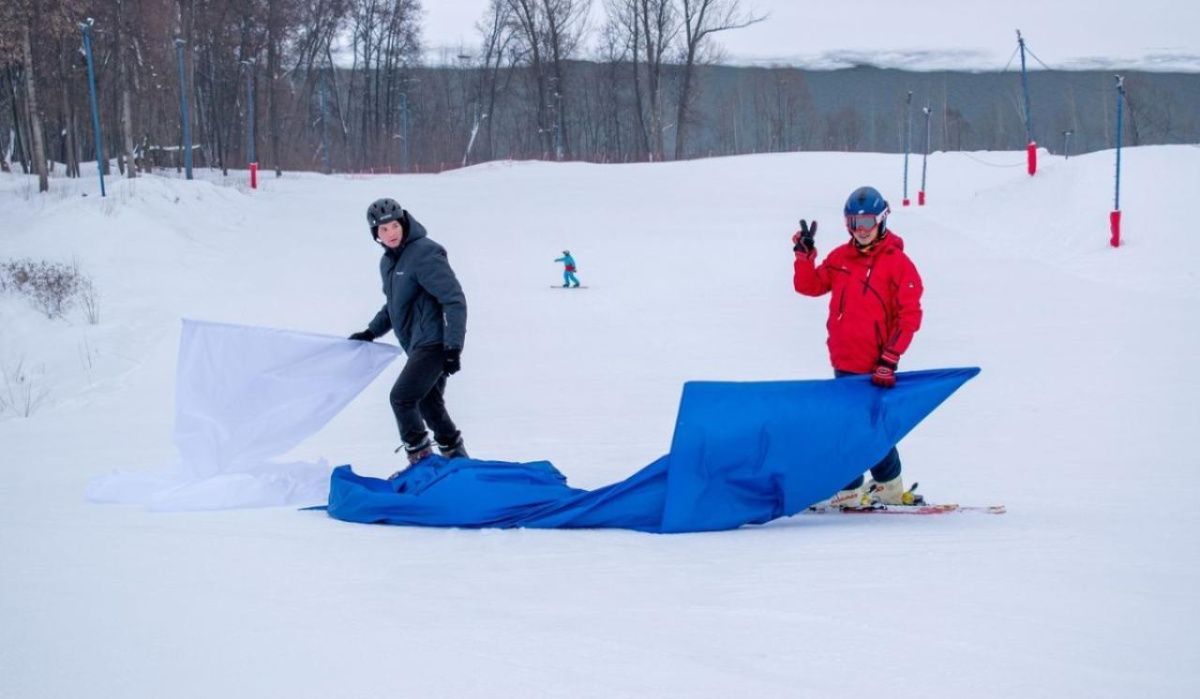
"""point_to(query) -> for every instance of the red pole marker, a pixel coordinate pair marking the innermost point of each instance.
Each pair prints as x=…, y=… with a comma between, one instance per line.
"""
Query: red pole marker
x=253, y=175
x=921, y=198
x=1031, y=156
x=1114, y=225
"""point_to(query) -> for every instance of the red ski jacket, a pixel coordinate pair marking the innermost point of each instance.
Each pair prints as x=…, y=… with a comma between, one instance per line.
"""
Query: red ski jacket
x=876, y=301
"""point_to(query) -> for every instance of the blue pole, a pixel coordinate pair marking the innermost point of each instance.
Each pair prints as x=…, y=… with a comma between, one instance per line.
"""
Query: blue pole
x=1025, y=90
x=1114, y=217
x=907, y=138
x=925, y=155
x=86, y=28
x=1120, y=102
x=183, y=111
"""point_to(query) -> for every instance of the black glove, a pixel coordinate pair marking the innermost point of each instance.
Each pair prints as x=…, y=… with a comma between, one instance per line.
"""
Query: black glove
x=802, y=242
x=453, y=361
x=364, y=336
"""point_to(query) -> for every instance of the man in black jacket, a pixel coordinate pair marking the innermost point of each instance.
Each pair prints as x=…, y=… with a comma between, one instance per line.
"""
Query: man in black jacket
x=427, y=311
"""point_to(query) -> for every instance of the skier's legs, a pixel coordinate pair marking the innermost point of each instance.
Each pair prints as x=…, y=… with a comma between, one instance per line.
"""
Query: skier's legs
x=888, y=467
x=433, y=410
x=857, y=482
x=418, y=377
x=566, y=278
x=573, y=278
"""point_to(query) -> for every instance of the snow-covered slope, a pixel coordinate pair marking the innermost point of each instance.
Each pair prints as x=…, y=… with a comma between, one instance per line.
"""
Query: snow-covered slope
x=1079, y=423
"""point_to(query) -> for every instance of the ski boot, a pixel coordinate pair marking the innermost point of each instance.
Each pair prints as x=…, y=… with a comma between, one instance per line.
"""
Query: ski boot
x=848, y=498
x=414, y=453
x=454, y=449
x=892, y=493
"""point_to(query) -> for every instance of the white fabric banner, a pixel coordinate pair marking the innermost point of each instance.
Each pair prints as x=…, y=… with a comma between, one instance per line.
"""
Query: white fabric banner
x=244, y=396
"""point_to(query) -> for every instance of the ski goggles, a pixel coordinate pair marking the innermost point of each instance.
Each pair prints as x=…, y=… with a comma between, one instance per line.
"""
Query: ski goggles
x=862, y=222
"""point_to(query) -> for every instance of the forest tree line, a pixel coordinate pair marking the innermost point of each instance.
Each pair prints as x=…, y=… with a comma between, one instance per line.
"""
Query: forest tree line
x=348, y=86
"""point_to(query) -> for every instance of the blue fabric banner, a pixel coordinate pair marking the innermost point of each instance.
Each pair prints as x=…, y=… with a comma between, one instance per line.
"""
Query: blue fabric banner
x=742, y=453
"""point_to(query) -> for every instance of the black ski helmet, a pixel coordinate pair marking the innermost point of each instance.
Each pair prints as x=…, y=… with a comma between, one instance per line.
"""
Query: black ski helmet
x=382, y=211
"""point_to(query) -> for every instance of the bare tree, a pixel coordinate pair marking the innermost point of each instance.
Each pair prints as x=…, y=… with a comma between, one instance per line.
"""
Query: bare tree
x=624, y=31
x=615, y=50
x=14, y=145
x=126, y=153
x=701, y=19
x=658, y=24
x=34, y=114
x=69, y=123
x=844, y=129
x=958, y=129
x=650, y=26
x=563, y=28
x=528, y=22
x=276, y=31
x=386, y=46
x=497, y=36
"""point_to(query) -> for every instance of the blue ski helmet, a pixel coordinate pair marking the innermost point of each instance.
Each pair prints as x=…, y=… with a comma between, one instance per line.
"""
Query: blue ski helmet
x=867, y=201
x=383, y=211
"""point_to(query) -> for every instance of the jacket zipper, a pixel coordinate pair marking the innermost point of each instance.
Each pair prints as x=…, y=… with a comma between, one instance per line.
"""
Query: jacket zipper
x=842, y=298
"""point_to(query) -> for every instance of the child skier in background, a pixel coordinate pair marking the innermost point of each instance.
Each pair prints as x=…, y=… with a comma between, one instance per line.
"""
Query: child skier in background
x=874, y=311
x=569, y=278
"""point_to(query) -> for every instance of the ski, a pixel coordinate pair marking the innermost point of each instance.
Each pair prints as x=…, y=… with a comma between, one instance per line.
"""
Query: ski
x=923, y=509
x=914, y=504
x=560, y=286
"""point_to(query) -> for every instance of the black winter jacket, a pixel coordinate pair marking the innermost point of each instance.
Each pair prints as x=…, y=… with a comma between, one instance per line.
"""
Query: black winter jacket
x=425, y=303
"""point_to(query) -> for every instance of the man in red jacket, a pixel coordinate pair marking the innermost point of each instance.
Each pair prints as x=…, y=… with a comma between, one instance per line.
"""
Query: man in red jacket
x=874, y=311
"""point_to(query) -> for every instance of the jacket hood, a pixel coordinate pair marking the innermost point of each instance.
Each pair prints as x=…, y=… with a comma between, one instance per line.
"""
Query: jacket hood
x=413, y=230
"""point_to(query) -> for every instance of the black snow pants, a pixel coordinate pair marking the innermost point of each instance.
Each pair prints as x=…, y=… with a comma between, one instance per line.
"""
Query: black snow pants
x=417, y=398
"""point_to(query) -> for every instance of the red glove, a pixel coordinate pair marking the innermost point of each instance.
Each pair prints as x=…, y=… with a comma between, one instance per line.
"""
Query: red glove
x=885, y=370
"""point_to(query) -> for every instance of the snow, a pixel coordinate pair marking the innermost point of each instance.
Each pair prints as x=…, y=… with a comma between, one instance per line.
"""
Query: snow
x=1079, y=424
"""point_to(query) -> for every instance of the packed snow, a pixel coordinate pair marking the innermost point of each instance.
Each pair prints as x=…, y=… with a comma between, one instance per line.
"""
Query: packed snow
x=1079, y=423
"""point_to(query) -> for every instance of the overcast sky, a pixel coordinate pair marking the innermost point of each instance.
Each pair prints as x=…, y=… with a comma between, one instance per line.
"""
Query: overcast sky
x=927, y=34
